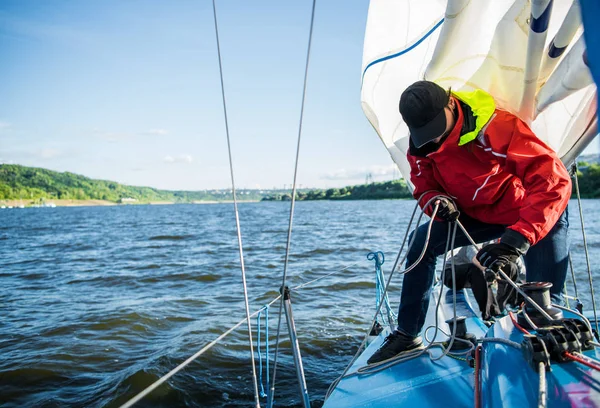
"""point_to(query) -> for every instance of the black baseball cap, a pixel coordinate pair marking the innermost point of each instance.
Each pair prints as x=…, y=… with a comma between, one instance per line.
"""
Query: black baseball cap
x=422, y=108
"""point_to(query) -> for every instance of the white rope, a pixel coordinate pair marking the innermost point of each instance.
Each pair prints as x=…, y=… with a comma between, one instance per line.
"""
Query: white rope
x=171, y=373
x=510, y=281
x=370, y=369
x=289, y=236
x=174, y=371
x=542, y=393
x=416, y=353
x=453, y=227
x=575, y=312
x=573, y=277
x=532, y=325
x=237, y=217
x=501, y=341
x=324, y=276
x=362, y=345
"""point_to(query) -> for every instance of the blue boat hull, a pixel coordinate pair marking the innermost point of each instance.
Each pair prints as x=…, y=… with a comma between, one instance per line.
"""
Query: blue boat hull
x=507, y=380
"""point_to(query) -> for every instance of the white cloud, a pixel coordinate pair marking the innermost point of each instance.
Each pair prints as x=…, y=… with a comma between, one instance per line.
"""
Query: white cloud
x=119, y=136
x=156, y=132
x=388, y=170
x=112, y=137
x=339, y=174
x=5, y=128
x=182, y=158
x=49, y=153
x=376, y=171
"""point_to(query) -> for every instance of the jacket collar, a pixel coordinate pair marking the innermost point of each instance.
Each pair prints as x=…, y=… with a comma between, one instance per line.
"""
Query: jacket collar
x=482, y=106
x=474, y=110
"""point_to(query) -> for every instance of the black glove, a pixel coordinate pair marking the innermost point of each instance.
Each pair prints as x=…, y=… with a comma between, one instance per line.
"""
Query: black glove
x=495, y=256
x=447, y=210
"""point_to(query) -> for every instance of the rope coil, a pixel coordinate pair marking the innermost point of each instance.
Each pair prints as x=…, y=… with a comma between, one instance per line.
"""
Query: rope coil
x=379, y=259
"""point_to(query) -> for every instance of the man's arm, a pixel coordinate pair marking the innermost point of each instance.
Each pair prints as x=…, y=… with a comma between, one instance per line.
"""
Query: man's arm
x=544, y=177
x=422, y=177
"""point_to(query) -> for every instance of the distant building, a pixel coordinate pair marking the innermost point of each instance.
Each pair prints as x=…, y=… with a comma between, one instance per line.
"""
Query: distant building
x=127, y=200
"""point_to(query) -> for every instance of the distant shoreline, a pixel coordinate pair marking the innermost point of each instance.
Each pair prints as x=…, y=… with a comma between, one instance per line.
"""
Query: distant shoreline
x=58, y=203
x=101, y=203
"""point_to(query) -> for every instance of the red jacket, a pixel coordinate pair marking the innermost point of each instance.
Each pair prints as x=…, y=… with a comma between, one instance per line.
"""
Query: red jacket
x=505, y=176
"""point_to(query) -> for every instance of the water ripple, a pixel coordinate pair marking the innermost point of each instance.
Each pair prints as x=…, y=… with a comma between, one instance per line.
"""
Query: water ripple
x=98, y=302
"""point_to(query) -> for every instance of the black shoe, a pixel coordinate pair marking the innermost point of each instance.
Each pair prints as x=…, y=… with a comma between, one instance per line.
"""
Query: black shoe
x=394, y=344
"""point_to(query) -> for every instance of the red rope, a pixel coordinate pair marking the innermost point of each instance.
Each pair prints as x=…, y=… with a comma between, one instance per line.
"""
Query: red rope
x=517, y=325
x=476, y=376
x=580, y=359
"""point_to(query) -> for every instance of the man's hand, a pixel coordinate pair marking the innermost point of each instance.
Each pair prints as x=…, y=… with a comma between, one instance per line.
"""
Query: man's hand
x=511, y=246
x=447, y=210
x=497, y=256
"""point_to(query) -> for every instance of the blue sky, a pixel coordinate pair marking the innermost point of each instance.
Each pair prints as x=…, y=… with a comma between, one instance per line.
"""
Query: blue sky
x=129, y=91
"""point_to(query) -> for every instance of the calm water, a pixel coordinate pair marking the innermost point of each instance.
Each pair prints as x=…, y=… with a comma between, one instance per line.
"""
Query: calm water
x=96, y=303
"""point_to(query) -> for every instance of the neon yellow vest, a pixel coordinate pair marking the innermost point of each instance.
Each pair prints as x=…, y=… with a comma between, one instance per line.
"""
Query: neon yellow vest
x=483, y=106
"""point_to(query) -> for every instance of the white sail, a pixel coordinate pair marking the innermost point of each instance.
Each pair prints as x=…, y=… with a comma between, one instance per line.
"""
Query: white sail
x=498, y=46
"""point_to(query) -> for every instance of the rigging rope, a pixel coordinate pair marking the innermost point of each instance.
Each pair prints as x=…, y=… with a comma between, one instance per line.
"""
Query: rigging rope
x=585, y=319
x=573, y=278
x=587, y=255
x=379, y=259
x=324, y=276
x=527, y=318
x=500, y=340
x=477, y=376
x=453, y=336
x=407, y=356
x=517, y=325
x=410, y=355
x=174, y=371
x=260, y=365
x=289, y=236
x=171, y=373
x=365, y=339
x=542, y=393
x=237, y=217
x=580, y=358
x=508, y=280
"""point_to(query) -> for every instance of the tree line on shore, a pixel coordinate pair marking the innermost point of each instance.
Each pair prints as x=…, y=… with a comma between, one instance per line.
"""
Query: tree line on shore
x=36, y=184
x=588, y=176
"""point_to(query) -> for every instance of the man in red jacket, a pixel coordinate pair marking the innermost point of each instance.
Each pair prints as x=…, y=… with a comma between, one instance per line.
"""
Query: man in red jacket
x=501, y=182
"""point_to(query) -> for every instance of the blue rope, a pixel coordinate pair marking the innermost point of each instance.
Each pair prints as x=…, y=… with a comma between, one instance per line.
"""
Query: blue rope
x=379, y=259
x=267, y=344
x=260, y=370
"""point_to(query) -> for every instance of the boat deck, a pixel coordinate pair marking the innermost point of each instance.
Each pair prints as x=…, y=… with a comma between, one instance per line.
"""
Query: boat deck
x=507, y=379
